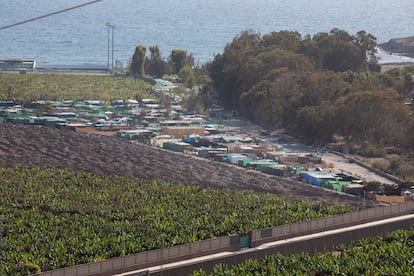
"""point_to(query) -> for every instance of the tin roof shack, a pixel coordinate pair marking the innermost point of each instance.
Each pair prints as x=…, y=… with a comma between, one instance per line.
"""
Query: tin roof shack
x=309, y=158
x=234, y=158
x=32, y=120
x=67, y=115
x=148, y=101
x=47, y=121
x=194, y=120
x=158, y=141
x=209, y=152
x=175, y=123
x=274, y=169
x=17, y=120
x=180, y=132
x=200, y=141
x=354, y=189
x=13, y=116
x=141, y=135
x=256, y=164
x=17, y=64
x=73, y=125
x=231, y=158
x=283, y=157
x=350, y=178
x=336, y=185
x=317, y=178
x=97, y=131
x=250, y=151
x=7, y=103
x=213, y=128
x=235, y=139
x=177, y=146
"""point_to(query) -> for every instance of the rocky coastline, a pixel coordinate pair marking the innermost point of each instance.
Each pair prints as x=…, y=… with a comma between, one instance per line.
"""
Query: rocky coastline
x=401, y=46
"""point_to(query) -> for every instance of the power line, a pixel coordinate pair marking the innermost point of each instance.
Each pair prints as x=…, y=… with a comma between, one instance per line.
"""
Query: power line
x=50, y=14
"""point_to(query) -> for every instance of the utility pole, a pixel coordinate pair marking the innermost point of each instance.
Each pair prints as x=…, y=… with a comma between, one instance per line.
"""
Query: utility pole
x=113, y=28
x=110, y=27
x=107, y=64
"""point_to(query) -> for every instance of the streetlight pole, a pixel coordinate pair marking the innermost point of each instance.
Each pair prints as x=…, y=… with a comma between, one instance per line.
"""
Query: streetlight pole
x=113, y=28
x=110, y=27
x=107, y=64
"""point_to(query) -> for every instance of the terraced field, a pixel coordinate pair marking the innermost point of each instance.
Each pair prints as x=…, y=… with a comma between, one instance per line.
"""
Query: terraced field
x=32, y=146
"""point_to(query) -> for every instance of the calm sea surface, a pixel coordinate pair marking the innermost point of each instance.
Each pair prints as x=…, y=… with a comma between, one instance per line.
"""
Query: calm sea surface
x=203, y=27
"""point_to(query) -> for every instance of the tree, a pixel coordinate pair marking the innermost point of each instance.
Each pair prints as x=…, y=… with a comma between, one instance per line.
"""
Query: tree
x=138, y=61
x=249, y=58
x=315, y=124
x=179, y=58
x=155, y=65
x=230, y=64
x=188, y=75
x=339, y=51
x=284, y=39
x=378, y=117
x=368, y=44
x=206, y=95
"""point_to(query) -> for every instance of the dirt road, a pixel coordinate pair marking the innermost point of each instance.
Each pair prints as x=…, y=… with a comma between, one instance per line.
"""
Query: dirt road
x=343, y=165
x=340, y=163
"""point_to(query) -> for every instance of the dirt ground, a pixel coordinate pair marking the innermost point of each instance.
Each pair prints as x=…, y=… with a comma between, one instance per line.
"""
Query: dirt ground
x=53, y=148
x=343, y=165
x=390, y=66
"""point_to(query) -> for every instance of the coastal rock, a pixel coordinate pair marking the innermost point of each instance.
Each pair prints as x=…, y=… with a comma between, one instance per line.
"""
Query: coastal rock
x=402, y=46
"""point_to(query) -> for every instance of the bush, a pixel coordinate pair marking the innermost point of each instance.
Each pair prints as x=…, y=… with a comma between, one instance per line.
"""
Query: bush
x=382, y=165
x=406, y=171
x=395, y=163
x=372, y=151
x=373, y=186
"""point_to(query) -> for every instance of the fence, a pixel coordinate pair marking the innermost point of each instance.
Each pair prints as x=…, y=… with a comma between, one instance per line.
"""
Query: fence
x=151, y=258
x=258, y=237
x=320, y=242
x=230, y=243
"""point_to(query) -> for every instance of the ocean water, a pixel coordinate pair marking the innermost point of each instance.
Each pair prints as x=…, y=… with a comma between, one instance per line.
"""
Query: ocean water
x=202, y=27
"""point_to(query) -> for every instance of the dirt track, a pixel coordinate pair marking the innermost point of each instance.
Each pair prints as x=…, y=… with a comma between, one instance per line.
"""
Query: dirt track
x=46, y=147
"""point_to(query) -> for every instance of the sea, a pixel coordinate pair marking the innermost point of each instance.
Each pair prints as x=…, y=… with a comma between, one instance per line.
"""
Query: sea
x=202, y=27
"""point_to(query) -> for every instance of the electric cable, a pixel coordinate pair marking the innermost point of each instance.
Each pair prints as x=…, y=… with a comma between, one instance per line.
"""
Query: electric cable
x=49, y=14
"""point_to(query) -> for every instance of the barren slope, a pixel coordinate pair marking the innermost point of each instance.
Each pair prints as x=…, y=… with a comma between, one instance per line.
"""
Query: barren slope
x=46, y=147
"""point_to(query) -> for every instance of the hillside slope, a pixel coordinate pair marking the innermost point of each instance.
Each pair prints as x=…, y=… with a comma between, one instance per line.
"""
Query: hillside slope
x=403, y=46
x=32, y=146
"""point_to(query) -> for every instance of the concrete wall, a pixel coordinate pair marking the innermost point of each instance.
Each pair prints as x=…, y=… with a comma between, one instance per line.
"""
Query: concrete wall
x=151, y=258
x=258, y=237
x=311, y=245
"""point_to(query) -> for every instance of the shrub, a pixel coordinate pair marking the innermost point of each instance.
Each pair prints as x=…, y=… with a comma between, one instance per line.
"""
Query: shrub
x=372, y=151
x=373, y=186
x=382, y=165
